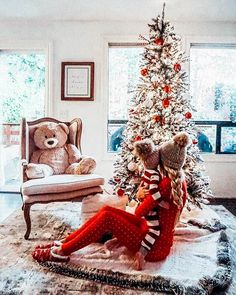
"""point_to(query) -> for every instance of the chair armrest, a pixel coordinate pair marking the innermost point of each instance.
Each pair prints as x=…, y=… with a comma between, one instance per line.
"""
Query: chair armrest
x=24, y=163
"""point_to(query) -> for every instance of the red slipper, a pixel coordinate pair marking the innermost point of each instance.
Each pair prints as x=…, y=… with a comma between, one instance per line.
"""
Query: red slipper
x=42, y=255
x=50, y=245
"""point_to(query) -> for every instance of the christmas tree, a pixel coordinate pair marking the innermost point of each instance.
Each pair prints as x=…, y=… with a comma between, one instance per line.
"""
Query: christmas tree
x=161, y=109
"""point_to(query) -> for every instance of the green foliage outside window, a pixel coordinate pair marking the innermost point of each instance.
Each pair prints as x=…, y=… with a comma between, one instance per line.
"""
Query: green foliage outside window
x=22, y=87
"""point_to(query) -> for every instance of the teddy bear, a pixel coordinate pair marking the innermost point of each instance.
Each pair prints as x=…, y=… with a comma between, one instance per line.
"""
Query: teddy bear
x=54, y=155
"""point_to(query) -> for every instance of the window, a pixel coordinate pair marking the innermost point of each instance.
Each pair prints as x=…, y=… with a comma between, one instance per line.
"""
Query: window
x=22, y=76
x=213, y=91
x=123, y=78
x=23, y=94
x=212, y=88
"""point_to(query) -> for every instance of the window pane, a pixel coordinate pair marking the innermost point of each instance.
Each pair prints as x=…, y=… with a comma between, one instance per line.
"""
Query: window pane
x=228, y=139
x=22, y=88
x=115, y=137
x=206, y=138
x=123, y=77
x=213, y=82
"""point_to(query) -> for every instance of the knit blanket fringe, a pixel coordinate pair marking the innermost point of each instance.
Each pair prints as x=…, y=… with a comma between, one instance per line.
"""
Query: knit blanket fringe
x=214, y=226
x=206, y=285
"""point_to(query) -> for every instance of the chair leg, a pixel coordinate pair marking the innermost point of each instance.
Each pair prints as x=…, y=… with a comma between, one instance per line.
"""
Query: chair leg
x=22, y=199
x=26, y=208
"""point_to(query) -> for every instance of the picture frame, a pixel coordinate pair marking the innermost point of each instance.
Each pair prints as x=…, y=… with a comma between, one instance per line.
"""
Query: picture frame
x=77, y=81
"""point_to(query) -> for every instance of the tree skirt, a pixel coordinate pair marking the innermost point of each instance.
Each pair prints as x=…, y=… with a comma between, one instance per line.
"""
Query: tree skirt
x=89, y=271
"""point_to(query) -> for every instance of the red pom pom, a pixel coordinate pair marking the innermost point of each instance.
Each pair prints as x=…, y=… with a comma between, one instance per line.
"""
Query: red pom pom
x=144, y=72
x=137, y=138
x=188, y=115
x=157, y=118
x=195, y=141
x=166, y=89
x=177, y=67
x=120, y=192
x=159, y=41
x=166, y=103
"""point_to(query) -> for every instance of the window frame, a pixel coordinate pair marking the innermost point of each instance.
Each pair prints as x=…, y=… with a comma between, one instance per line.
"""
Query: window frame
x=107, y=39
x=35, y=45
x=227, y=41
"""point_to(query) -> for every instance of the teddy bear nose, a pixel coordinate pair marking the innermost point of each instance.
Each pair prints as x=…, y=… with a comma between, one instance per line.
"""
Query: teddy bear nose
x=50, y=142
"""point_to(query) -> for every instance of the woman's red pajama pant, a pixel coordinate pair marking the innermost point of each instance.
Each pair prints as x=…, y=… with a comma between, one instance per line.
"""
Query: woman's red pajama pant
x=127, y=228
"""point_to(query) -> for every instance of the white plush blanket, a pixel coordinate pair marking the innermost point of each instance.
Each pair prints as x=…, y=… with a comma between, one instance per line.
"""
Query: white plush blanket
x=193, y=255
x=199, y=261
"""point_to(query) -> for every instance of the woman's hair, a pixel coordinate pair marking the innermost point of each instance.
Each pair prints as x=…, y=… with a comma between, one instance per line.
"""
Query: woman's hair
x=176, y=183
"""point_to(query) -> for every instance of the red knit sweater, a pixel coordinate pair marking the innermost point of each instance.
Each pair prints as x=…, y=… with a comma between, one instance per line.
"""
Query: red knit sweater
x=162, y=245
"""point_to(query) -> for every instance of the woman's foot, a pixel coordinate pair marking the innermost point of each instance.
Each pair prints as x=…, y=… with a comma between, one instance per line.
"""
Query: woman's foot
x=54, y=254
x=49, y=245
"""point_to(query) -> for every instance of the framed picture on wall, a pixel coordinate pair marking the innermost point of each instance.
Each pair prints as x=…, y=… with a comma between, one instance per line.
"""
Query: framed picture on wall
x=77, y=81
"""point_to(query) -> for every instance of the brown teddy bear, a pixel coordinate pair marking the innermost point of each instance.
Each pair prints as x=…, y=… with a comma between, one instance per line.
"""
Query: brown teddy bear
x=54, y=155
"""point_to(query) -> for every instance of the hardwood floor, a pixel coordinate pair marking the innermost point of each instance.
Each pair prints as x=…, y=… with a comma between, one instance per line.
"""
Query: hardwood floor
x=9, y=202
x=229, y=204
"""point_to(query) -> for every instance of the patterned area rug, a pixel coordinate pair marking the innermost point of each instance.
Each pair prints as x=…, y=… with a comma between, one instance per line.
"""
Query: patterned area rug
x=21, y=275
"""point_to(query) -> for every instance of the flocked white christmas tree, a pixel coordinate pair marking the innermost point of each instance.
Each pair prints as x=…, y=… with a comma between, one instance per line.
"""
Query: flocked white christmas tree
x=161, y=108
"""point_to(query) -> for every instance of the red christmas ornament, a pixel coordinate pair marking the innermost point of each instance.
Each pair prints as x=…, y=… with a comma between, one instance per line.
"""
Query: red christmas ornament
x=195, y=141
x=166, y=103
x=188, y=115
x=144, y=72
x=137, y=138
x=157, y=118
x=120, y=192
x=166, y=89
x=177, y=67
x=159, y=41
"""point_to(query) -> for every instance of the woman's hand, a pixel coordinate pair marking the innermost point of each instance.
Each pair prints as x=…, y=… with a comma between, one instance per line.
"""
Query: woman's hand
x=142, y=193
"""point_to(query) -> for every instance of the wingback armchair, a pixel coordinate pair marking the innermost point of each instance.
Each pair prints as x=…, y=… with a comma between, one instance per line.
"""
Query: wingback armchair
x=54, y=188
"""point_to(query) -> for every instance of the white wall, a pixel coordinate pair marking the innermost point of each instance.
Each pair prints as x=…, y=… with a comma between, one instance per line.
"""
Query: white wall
x=84, y=41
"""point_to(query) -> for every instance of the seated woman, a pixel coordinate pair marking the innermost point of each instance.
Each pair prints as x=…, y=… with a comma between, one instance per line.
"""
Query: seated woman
x=131, y=230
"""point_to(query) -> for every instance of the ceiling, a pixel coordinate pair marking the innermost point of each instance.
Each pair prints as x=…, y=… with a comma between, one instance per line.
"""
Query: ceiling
x=117, y=10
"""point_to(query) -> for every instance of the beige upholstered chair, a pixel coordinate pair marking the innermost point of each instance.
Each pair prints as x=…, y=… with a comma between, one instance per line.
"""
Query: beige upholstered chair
x=55, y=188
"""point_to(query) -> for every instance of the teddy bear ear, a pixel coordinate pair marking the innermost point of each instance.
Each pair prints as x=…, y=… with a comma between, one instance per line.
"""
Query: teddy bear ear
x=64, y=127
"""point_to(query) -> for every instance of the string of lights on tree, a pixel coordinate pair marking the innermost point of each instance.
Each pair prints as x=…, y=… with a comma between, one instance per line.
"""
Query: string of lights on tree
x=161, y=108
